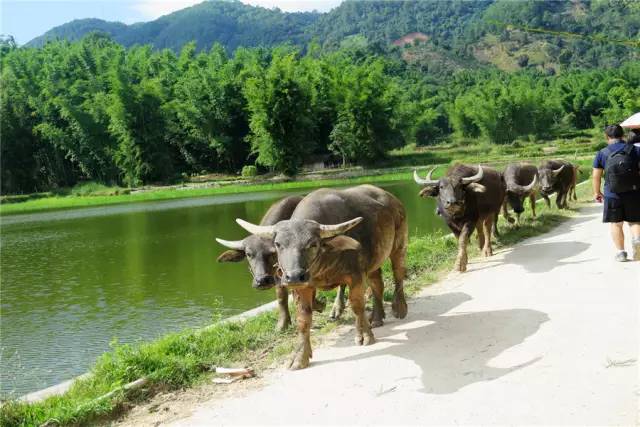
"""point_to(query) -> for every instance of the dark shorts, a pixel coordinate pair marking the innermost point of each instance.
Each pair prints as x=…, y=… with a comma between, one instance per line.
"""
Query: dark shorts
x=626, y=208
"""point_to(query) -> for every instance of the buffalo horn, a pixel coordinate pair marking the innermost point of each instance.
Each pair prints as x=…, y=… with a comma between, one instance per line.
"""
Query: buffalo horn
x=333, y=230
x=475, y=178
x=555, y=172
x=260, y=230
x=426, y=181
x=231, y=244
x=529, y=187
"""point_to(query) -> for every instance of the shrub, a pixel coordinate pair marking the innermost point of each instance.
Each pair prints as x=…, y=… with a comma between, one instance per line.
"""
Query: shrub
x=249, y=171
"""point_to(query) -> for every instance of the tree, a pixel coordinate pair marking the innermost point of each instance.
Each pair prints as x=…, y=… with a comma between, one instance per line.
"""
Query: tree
x=281, y=118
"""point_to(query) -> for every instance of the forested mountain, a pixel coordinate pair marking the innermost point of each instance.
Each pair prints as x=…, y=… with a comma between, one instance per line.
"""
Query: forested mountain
x=229, y=23
x=548, y=35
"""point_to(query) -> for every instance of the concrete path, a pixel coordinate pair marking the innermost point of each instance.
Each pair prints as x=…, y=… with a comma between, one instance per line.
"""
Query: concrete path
x=546, y=333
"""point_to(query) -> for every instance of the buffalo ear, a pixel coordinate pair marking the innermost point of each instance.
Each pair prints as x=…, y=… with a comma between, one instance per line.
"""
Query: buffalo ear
x=477, y=188
x=341, y=243
x=429, y=191
x=232, y=255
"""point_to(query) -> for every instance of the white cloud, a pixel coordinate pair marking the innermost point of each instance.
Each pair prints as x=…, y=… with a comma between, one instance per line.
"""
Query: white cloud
x=296, y=5
x=153, y=9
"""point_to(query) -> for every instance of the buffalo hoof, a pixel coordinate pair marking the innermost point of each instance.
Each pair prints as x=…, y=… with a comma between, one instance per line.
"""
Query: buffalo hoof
x=461, y=268
x=399, y=308
x=366, y=339
x=318, y=305
x=487, y=252
x=283, y=324
x=299, y=361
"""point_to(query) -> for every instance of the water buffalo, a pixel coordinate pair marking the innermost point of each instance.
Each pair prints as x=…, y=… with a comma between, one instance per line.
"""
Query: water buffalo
x=340, y=237
x=557, y=176
x=261, y=257
x=468, y=197
x=520, y=180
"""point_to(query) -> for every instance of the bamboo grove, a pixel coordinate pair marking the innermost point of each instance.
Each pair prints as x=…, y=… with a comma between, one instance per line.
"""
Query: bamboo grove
x=95, y=110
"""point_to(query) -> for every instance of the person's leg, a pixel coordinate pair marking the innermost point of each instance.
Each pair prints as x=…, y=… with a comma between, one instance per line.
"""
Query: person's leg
x=635, y=239
x=614, y=215
x=617, y=234
x=631, y=207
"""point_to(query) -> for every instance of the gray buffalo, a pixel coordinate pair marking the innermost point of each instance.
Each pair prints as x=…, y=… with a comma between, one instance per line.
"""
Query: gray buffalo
x=468, y=198
x=520, y=180
x=340, y=237
x=557, y=176
x=262, y=260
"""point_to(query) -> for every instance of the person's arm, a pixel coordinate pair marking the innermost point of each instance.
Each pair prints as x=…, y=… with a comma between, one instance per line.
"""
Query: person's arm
x=597, y=184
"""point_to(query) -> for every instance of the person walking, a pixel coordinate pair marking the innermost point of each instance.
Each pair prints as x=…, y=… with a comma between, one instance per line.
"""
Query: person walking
x=620, y=164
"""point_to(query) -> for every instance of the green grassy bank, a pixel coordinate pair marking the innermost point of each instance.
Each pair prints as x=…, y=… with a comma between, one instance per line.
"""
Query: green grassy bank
x=397, y=167
x=185, y=359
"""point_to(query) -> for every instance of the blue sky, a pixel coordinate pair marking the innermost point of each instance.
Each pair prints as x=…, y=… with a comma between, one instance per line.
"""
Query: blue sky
x=26, y=19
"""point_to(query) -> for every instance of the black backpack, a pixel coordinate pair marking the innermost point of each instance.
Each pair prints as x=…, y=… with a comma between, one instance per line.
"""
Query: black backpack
x=621, y=171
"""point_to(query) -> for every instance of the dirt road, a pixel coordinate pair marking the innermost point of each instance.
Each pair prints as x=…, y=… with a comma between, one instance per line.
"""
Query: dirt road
x=544, y=333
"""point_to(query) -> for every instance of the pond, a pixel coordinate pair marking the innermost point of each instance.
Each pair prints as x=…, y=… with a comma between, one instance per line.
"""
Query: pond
x=74, y=281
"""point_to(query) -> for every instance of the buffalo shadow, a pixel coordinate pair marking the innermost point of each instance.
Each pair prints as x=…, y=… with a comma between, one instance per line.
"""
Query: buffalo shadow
x=452, y=350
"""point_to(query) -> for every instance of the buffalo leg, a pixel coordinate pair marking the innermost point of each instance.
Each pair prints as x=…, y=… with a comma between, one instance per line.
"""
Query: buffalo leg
x=463, y=240
x=481, y=235
x=494, y=226
x=364, y=336
x=505, y=212
x=561, y=199
x=318, y=305
x=487, y=225
x=547, y=201
x=377, y=288
x=338, y=304
x=284, y=319
x=304, y=314
x=532, y=202
x=399, y=304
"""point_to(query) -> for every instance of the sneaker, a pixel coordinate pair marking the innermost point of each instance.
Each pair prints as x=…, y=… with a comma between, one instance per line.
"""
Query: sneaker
x=621, y=256
x=635, y=244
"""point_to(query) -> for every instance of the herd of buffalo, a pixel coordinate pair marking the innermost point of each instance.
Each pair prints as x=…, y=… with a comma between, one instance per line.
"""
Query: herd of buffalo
x=341, y=238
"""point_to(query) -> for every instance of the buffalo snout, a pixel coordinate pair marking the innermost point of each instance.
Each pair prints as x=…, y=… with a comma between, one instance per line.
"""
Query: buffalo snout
x=295, y=277
x=264, y=282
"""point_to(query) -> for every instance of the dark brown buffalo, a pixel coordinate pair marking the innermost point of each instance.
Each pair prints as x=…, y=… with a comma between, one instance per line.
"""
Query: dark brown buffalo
x=340, y=237
x=557, y=176
x=520, y=180
x=469, y=198
x=262, y=260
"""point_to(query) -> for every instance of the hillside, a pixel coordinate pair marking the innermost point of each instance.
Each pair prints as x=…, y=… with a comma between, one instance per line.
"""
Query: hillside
x=548, y=36
x=229, y=23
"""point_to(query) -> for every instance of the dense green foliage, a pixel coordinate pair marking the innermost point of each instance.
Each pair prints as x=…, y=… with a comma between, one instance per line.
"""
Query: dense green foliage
x=94, y=110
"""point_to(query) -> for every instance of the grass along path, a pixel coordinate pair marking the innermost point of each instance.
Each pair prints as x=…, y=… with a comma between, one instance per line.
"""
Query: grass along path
x=329, y=179
x=186, y=359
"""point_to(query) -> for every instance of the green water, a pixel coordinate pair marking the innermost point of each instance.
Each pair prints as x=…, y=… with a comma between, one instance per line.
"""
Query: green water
x=73, y=281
